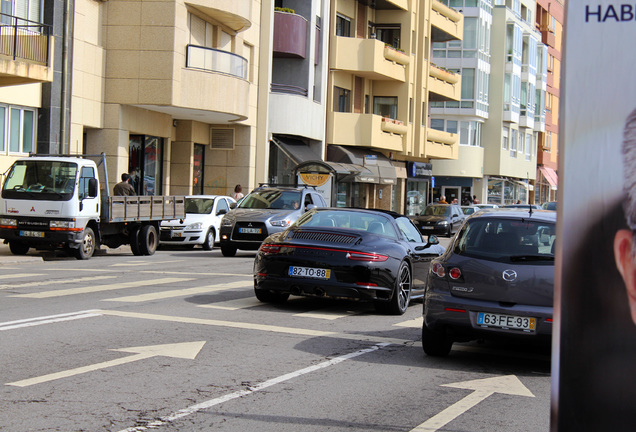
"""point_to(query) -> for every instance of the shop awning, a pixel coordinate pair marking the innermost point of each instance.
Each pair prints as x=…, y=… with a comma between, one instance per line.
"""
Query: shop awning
x=295, y=149
x=374, y=167
x=551, y=176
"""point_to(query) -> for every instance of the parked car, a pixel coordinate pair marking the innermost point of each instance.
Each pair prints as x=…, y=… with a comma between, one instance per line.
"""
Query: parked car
x=264, y=211
x=523, y=206
x=551, y=205
x=486, y=206
x=357, y=254
x=444, y=219
x=201, y=225
x=470, y=209
x=496, y=279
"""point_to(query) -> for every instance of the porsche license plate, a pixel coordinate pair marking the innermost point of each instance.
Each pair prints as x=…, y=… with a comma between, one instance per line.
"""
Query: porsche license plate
x=506, y=321
x=309, y=272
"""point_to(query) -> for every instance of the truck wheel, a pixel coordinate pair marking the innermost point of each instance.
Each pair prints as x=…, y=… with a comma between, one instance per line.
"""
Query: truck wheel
x=148, y=240
x=228, y=251
x=87, y=247
x=133, y=241
x=18, y=248
x=209, y=240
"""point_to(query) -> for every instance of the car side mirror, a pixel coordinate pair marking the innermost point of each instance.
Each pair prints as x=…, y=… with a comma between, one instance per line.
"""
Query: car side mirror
x=433, y=240
x=233, y=205
x=221, y=212
x=310, y=206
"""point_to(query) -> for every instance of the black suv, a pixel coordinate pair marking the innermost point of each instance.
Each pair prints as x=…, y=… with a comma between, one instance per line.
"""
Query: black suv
x=262, y=212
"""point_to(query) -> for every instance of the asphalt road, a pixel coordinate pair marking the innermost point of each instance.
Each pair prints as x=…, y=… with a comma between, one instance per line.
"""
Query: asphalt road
x=177, y=342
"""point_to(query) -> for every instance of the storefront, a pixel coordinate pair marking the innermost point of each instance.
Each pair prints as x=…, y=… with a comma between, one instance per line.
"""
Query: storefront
x=284, y=154
x=502, y=191
x=453, y=188
x=418, y=187
x=546, y=185
x=145, y=163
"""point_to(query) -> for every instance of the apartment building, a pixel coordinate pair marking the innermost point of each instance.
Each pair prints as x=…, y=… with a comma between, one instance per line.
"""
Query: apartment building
x=380, y=82
x=503, y=64
x=168, y=90
x=31, y=50
x=550, y=17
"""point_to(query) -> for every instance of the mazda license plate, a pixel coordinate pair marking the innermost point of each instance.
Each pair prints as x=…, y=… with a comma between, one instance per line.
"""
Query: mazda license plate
x=506, y=321
x=309, y=272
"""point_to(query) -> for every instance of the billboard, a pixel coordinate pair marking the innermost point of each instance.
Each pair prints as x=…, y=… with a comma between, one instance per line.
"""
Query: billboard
x=594, y=349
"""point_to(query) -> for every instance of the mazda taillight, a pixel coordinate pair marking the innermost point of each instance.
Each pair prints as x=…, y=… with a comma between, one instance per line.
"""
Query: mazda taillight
x=438, y=270
x=455, y=273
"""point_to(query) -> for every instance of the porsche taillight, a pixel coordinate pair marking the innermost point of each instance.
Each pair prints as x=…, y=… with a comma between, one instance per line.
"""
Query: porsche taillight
x=269, y=249
x=364, y=256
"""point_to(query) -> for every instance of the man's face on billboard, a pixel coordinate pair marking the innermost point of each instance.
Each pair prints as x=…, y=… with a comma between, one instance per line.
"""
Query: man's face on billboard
x=626, y=264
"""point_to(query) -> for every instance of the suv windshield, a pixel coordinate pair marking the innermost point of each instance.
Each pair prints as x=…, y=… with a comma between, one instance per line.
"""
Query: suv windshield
x=509, y=240
x=40, y=180
x=272, y=199
x=436, y=210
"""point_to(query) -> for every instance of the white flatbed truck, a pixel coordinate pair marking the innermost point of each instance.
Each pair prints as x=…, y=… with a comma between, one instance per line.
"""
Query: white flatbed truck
x=61, y=201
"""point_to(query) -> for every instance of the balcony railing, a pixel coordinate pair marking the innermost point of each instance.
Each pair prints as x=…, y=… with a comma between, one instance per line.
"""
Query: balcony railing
x=214, y=60
x=22, y=39
x=288, y=89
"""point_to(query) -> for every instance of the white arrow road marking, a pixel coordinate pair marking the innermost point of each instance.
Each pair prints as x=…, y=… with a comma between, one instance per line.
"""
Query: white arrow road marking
x=56, y=281
x=98, y=288
x=182, y=292
x=186, y=350
x=483, y=388
x=31, y=322
x=236, y=304
x=414, y=323
x=141, y=263
x=20, y=275
x=248, y=276
x=213, y=402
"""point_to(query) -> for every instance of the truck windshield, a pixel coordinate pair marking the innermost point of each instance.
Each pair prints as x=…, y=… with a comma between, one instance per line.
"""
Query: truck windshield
x=272, y=199
x=40, y=180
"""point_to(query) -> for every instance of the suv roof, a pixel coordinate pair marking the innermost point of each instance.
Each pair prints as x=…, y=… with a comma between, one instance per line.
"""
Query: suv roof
x=515, y=212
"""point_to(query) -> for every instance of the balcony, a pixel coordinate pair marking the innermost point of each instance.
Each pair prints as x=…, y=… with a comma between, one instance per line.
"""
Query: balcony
x=390, y=4
x=393, y=126
x=25, y=51
x=233, y=14
x=367, y=58
x=446, y=24
x=214, y=60
x=365, y=130
x=443, y=85
x=441, y=145
x=290, y=35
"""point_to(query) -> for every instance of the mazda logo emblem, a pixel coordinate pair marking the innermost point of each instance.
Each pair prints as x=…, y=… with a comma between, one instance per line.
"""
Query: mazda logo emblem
x=509, y=275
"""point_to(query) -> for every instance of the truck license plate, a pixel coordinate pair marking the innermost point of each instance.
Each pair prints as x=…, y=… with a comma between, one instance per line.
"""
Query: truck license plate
x=31, y=233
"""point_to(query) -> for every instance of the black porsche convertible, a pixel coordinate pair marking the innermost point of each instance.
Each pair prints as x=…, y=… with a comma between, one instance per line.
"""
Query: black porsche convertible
x=372, y=255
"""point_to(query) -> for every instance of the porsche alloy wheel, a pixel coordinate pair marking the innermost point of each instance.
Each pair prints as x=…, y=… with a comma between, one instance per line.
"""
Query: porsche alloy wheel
x=401, y=294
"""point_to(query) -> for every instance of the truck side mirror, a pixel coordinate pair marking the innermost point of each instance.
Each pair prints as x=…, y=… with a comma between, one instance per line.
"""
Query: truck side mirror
x=92, y=188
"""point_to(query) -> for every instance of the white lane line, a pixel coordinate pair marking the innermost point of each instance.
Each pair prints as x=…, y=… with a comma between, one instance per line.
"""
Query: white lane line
x=20, y=275
x=414, y=323
x=237, y=304
x=248, y=276
x=253, y=326
x=180, y=292
x=55, y=282
x=98, y=288
x=241, y=393
x=31, y=322
x=141, y=263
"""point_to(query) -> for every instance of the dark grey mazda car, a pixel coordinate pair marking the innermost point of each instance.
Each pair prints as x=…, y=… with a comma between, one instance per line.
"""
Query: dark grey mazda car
x=495, y=280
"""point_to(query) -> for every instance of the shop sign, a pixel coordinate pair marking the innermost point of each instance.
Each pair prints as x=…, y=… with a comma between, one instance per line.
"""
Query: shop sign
x=370, y=160
x=314, y=179
x=420, y=169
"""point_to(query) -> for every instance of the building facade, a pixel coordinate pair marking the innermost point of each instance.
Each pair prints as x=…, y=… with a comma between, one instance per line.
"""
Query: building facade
x=503, y=65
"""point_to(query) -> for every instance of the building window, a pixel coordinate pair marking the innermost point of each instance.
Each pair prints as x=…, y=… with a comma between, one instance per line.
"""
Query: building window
x=145, y=163
x=388, y=33
x=504, y=141
x=386, y=106
x=514, y=136
x=17, y=128
x=437, y=124
x=341, y=100
x=528, y=146
x=451, y=126
x=198, y=165
x=27, y=9
x=343, y=26
x=410, y=110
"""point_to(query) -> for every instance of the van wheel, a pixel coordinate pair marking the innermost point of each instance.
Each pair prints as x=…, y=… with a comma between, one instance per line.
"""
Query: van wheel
x=148, y=240
x=87, y=247
x=18, y=248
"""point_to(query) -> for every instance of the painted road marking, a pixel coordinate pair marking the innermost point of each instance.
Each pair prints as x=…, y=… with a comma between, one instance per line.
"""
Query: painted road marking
x=198, y=274
x=56, y=282
x=236, y=304
x=31, y=322
x=141, y=263
x=187, y=350
x=254, y=326
x=20, y=275
x=414, y=323
x=238, y=394
x=325, y=314
x=482, y=388
x=180, y=292
x=98, y=288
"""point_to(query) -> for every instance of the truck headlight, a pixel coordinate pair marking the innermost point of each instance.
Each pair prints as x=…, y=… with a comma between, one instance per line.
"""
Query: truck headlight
x=281, y=223
x=8, y=223
x=62, y=224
